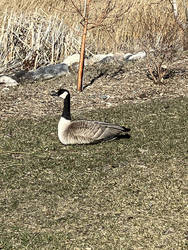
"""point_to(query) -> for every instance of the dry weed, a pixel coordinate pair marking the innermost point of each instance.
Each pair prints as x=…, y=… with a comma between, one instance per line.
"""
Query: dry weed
x=35, y=40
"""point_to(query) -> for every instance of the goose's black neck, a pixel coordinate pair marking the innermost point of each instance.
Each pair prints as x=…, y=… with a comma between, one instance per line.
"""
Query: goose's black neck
x=66, y=110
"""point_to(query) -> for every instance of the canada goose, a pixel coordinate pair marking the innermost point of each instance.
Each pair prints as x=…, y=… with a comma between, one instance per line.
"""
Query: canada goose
x=83, y=131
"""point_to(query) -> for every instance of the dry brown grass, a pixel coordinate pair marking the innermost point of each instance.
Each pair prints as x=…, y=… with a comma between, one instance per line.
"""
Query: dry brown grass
x=35, y=39
x=127, y=194
x=21, y=20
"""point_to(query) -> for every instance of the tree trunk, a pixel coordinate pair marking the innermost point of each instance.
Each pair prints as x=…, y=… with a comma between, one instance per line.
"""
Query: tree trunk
x=185, y=38
x=82, y=54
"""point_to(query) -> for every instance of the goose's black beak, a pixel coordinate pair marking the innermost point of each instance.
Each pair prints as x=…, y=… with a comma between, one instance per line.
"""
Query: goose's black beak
x=54, y=93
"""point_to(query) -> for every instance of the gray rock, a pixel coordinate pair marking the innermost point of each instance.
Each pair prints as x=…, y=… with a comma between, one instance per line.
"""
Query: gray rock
x=137, y=56
x=127, y=56
x=70, y=60
x=104, y=97
x=43, y=73
x=8, y=81
x=101, y=58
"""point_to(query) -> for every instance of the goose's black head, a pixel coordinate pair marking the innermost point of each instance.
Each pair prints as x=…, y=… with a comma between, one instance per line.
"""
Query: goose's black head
x=61, y=93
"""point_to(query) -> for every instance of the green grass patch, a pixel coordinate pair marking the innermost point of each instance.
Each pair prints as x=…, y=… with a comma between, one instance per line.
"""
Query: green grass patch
x=125, y=194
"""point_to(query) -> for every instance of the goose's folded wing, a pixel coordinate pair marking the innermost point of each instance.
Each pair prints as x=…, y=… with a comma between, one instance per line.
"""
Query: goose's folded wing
x=93, y=131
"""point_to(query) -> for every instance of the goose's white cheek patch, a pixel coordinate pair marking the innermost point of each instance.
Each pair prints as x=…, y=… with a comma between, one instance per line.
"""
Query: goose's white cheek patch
x=64, y=95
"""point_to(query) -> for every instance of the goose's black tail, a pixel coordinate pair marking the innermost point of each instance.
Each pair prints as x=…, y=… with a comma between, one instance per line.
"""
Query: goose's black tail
x=126, y=129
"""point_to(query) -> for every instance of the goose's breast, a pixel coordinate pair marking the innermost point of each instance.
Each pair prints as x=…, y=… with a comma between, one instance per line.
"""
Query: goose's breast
x=63, y=126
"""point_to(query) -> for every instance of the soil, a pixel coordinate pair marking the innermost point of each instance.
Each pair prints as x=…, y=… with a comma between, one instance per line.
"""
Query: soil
x=105, y=85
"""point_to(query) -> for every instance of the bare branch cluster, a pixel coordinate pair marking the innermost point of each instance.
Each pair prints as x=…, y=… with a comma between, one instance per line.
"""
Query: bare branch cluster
x=98, y=13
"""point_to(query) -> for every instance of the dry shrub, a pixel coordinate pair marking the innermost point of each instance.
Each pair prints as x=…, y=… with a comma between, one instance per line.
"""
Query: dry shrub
x=161, y=39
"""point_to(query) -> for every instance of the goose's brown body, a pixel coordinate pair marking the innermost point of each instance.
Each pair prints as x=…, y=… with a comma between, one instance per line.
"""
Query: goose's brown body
x=87, y=132
x=84, y=131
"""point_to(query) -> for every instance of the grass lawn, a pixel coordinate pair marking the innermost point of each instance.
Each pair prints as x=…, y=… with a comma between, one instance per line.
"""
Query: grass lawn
x=125, y=194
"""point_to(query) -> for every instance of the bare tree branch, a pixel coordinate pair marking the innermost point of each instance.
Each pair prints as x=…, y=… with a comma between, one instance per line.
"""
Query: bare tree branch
x=77, y=9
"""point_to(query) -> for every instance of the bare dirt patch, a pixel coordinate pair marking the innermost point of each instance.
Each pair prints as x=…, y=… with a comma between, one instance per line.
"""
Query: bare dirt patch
x=105, y=86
